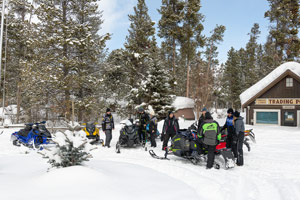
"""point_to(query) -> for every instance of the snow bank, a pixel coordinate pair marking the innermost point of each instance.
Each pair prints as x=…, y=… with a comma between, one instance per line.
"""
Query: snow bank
x=256, y=88
x=183, y=102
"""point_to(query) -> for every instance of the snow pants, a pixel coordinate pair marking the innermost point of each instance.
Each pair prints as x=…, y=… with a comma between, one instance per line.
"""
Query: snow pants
x=108, y=137
x=167, y=137
x=152, y=139
x=142, y=134
x=237, y=148
x=229, y=139
x=210, y=155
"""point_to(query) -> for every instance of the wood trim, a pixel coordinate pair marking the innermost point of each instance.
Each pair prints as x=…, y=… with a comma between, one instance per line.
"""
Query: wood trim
x=282, y=76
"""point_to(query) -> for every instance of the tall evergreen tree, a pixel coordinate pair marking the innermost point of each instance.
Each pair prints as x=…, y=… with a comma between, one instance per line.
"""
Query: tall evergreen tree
x=232, y=79
x=138, y=44
x=71, y=49
x=251, y=68
x=172, y=13
x=284, y=17
x=191, y=37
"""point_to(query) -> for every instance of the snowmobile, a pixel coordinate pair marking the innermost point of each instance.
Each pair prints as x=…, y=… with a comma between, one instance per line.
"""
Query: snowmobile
x=34, y=135
x=249, y=135
x=92, y=133
x=184, y=145
x=128, y=135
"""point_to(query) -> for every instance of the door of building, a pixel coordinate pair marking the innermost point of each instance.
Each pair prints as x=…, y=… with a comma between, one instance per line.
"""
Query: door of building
x=289, y=117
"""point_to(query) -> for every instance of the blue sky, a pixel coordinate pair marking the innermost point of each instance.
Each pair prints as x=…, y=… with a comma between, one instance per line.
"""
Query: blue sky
x=237, y=15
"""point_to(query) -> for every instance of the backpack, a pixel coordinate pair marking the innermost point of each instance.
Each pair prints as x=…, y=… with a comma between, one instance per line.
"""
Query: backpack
x=210, y=133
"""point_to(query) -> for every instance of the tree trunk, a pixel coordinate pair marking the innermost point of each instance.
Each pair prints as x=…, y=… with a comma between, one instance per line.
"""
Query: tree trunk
x=188, y=80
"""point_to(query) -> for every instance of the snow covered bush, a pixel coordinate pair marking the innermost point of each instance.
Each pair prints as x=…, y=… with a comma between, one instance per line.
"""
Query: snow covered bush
x=70, y=148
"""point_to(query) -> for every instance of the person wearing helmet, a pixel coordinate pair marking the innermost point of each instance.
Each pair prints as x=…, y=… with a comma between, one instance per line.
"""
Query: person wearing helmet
x=229, y=126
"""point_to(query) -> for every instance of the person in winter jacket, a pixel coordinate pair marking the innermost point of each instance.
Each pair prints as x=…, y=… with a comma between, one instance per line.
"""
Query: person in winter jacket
x=238, y=138
x=170, y=129
x=209, y=137
x=201, y=118
x=107, y=126
x=144, y=120
x=230, y=129
x=153, y=128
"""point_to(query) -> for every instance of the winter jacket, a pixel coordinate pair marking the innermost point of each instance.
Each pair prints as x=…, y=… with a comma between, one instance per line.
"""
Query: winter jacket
x=107, y=122
x=210, y=132
x=228, y=124
x=239, y=125
x=171, y=126
x=153, y=125
x=144, y=120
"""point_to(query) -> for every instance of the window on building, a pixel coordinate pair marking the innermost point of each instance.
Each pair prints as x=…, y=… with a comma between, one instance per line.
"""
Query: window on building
x=267, y=117
x=289, y=82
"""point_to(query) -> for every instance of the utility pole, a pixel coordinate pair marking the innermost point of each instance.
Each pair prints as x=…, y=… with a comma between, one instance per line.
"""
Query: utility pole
x=1, y=36
x=1, y=42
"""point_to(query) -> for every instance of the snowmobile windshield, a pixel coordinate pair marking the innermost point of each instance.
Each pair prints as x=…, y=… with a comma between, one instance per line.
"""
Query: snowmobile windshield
x=128, y=123
x=90, y=128
x=42, y=128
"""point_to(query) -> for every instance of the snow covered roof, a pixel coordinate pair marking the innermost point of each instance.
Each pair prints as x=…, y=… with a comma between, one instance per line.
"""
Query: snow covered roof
x=263, y=83
x=183, y=102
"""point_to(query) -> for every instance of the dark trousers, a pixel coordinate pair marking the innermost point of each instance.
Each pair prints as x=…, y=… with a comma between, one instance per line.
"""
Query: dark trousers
x=229, y=139
x=167, y=136
x=210, y=155
x=237, y=148
x=108, y=137
x=142, y=135
x=152, y=139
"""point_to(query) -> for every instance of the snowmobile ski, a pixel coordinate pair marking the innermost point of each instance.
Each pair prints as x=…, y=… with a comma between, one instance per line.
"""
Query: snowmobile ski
x=151, y=152
x=229, y=159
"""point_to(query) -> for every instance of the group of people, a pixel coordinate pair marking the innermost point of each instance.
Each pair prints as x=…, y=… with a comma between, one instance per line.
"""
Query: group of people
x=208, y=133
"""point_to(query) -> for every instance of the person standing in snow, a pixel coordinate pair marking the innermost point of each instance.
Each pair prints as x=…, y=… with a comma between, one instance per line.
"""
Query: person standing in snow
x=238, y=138
x=170, y=129
x=201, y=118
x=230, y=129
x=209, y=137
x=144, y=120
x=107, y=126
x=153, y=128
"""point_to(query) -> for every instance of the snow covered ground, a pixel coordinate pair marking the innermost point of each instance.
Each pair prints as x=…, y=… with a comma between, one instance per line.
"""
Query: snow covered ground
x=271, y=171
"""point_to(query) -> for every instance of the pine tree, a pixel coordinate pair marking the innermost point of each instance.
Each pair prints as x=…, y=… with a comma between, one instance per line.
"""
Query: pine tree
x=20, y=36
x=191, y=37
x=71, y=50
x=232, y=79
x=157, y=90
x=172, y=13
x=139, y=43
x=285, y=21
x=203, y=78
x=251, y=68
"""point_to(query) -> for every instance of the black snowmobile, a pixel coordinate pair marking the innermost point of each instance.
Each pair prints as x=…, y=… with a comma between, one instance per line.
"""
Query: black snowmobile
x=128, y=136
x=184, y=145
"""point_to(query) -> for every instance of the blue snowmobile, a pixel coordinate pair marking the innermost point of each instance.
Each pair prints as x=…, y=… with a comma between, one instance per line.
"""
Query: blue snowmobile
x=34, y=135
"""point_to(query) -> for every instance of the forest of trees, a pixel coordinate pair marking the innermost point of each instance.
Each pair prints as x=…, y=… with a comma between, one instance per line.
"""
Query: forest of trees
x=53, y=54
